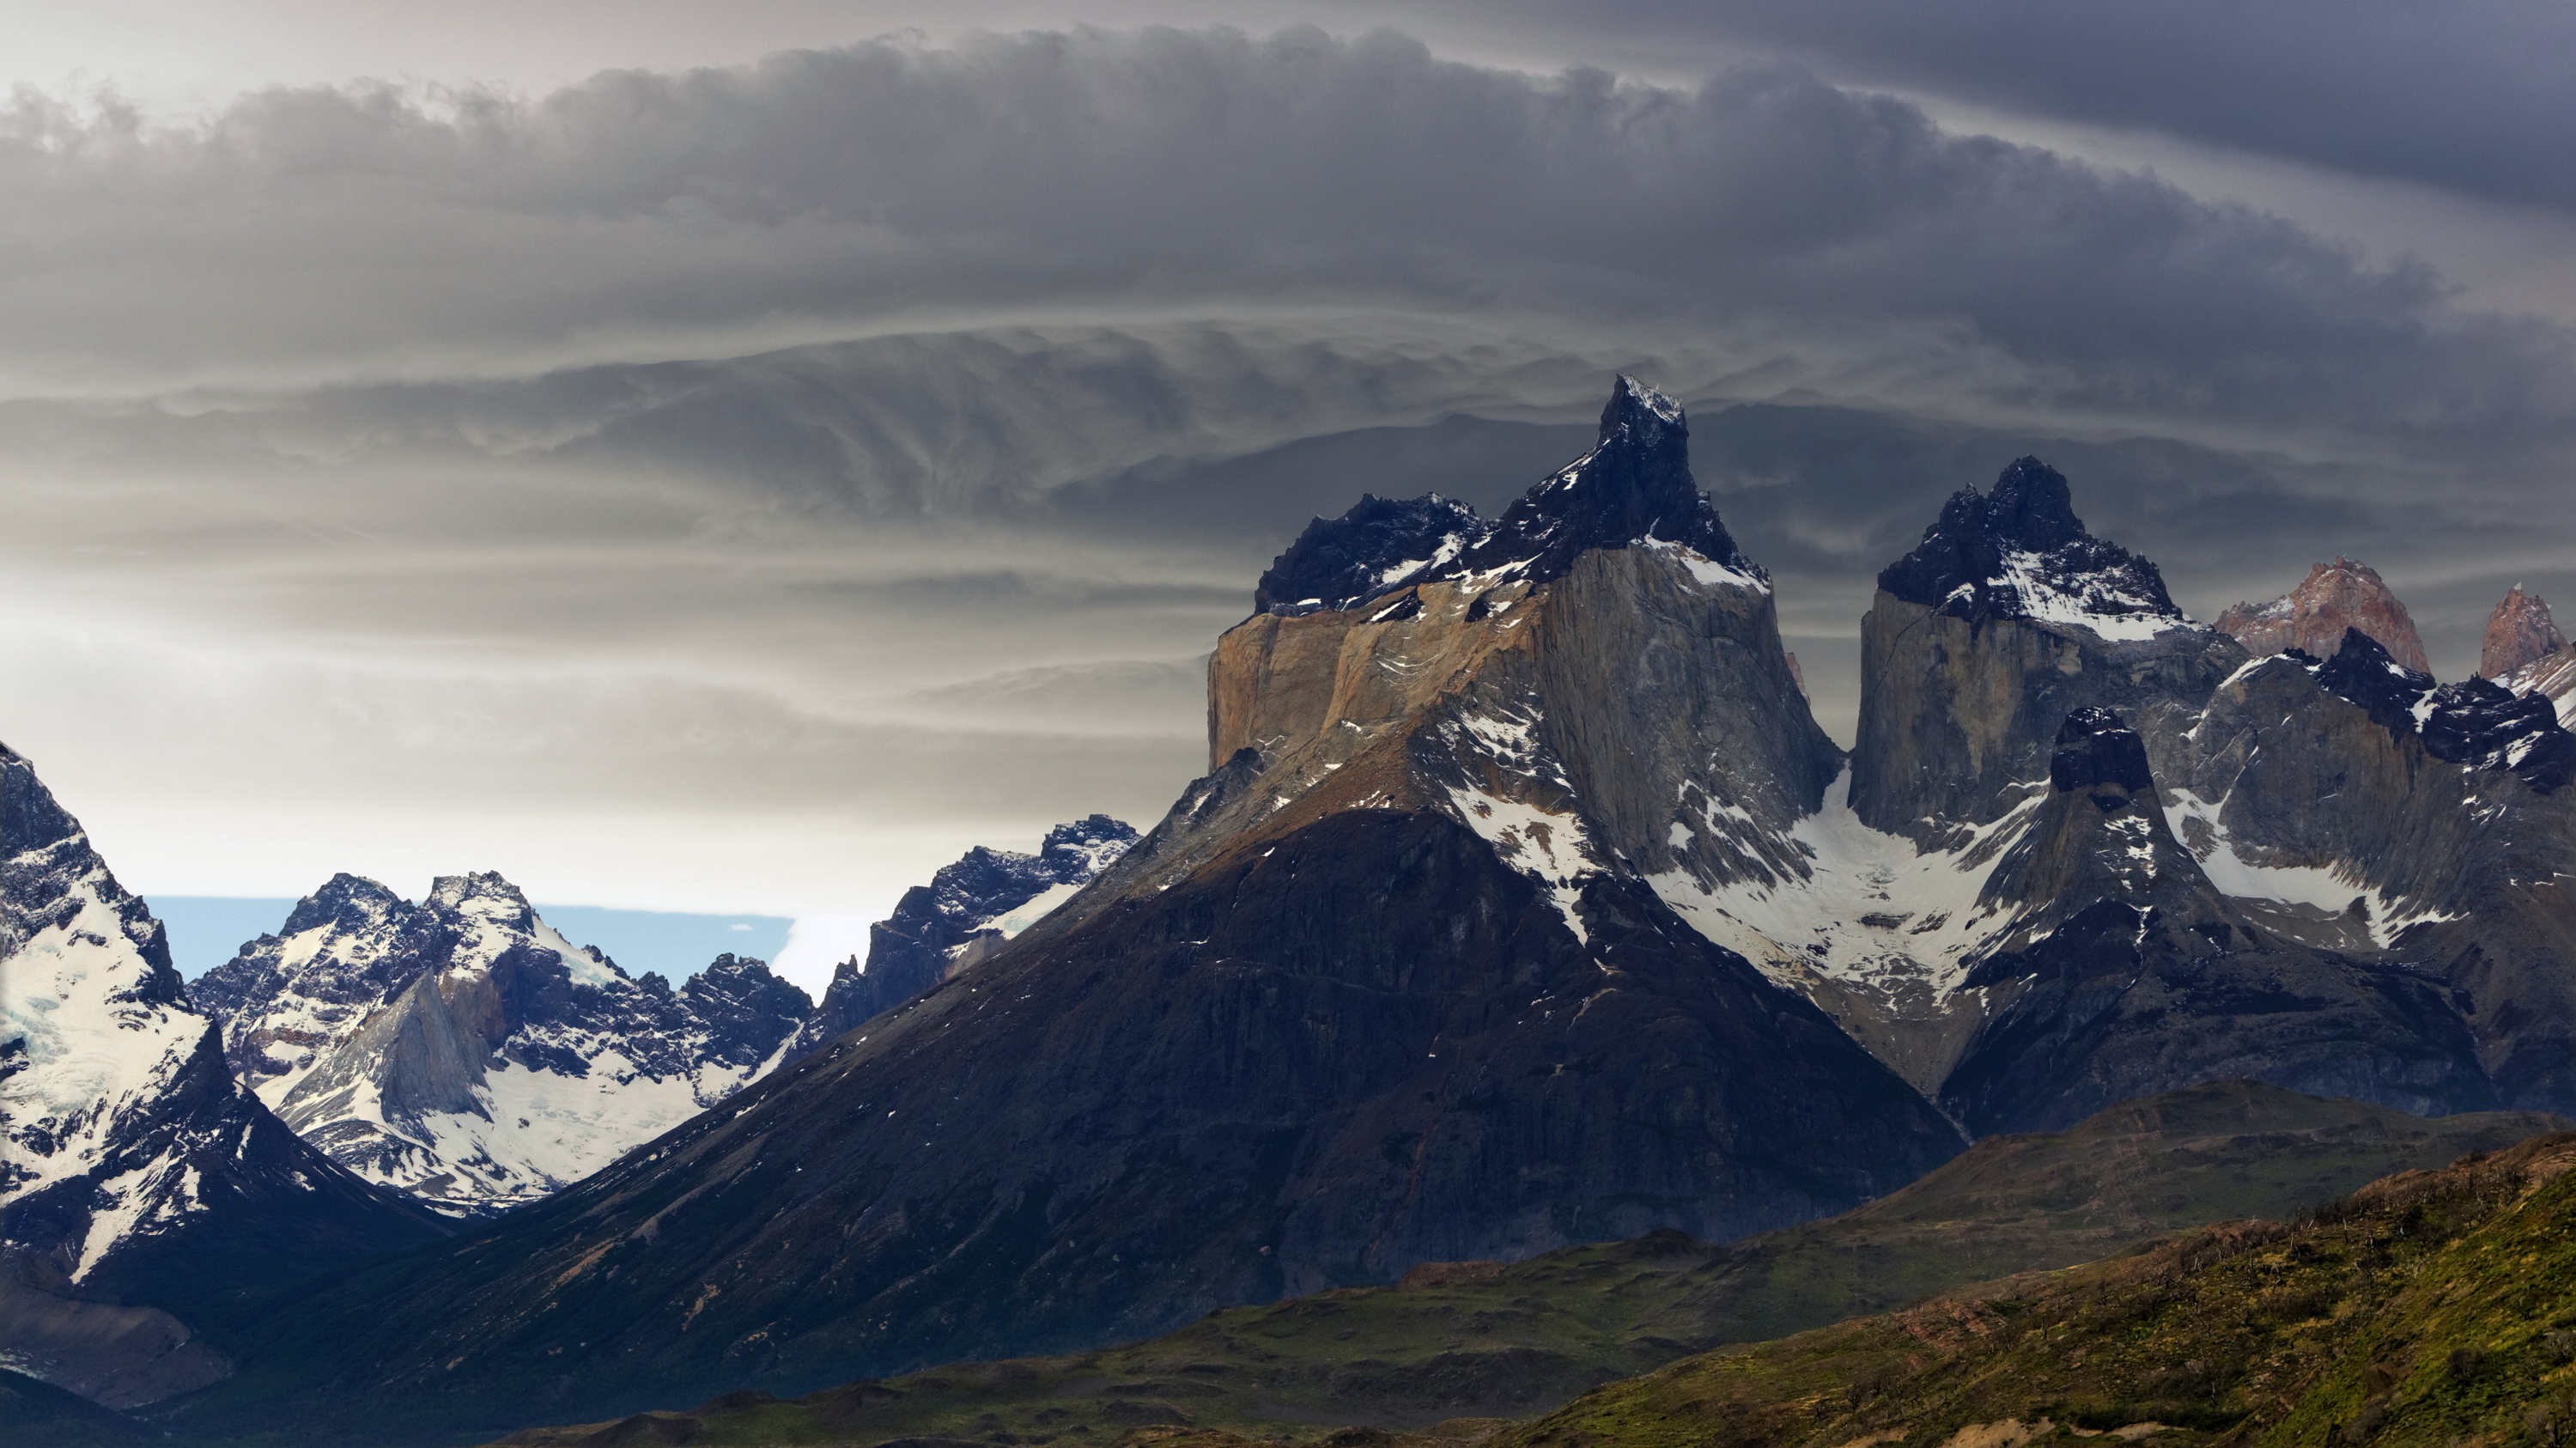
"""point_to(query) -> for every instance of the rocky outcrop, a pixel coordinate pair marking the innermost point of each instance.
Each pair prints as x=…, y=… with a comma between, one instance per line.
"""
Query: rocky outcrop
x=2519, y=633
x=2313, y=616
x=984, y=898
x=462, y=1051
x=138, y=1179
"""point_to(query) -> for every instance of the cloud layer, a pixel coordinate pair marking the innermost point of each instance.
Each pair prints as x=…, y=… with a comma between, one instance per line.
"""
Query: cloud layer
x=740, y=488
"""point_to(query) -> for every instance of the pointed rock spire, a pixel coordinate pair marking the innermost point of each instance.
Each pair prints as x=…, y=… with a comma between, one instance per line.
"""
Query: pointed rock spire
x=2519, y=632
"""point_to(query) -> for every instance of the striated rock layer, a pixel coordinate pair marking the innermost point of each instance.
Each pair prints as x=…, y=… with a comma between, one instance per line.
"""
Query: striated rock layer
x=2313, y=616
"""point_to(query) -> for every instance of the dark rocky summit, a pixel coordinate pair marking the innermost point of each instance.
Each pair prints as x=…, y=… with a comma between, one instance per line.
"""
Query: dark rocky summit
x=2007, y=618
x=1379, y=544
x=2020, y=552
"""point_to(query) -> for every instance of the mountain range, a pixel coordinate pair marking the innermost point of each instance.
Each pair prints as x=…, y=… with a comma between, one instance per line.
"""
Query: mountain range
x=1524, y=905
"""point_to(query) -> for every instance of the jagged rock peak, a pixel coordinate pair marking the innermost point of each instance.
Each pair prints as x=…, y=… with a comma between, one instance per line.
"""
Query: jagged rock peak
x=2019, y=552
x=2519, y=632
x=2095, y=750
x=346, y=900
x=1634, y=486
x=2363, y=671
x=1379, y=544
x=2481, y=723
x=1083, y=848
x=2312, y=617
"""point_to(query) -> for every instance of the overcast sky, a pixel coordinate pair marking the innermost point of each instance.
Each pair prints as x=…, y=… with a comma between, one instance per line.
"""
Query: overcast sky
x=733, y=458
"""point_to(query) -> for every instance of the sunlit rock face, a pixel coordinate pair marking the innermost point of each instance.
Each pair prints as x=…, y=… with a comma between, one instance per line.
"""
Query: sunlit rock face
x=2313, y=616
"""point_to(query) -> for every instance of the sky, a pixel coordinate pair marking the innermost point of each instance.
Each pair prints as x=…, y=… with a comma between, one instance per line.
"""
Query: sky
x=725, y=461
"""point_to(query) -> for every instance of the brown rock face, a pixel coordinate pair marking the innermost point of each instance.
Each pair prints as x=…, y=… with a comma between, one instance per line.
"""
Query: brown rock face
x=2312, y=617
x=2520, y=631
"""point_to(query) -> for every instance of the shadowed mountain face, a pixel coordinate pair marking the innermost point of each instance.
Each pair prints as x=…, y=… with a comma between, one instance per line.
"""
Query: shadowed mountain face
x=1389, y=985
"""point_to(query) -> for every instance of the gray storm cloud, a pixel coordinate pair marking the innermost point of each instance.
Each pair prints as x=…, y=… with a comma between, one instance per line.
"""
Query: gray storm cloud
x=743, y=487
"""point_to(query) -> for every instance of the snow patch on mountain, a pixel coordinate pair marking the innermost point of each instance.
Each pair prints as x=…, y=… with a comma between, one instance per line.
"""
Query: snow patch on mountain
x=464, y=1051
x=2199, y=826
x=1872, y=910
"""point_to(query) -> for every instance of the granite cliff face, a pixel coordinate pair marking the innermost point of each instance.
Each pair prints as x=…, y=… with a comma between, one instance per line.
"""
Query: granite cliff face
x=462, y=1051
x=1394, y=983
x=2313, y=616
x=986, y=897
x=138, y=1178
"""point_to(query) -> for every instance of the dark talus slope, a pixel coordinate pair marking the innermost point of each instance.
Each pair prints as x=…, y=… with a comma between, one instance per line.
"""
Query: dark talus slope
x=1489, y=1338
x=1385, y=988
x=139, y=1178
x=2431, y=1308
x=2313, y=616
x=462, y=1051
x=969, y=907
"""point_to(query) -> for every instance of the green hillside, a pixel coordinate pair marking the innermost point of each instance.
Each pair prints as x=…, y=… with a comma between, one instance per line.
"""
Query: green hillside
x=1483, y=1341
x=2428, y=1310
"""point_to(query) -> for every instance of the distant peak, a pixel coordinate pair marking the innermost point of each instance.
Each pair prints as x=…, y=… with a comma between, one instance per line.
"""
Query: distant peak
x=2519, y=632
x=2313, y=617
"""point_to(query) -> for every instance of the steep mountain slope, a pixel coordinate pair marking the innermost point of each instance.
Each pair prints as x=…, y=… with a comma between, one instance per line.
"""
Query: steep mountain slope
x=462, y=1051
x=969, y=907
x=2313, y=616
x=1474, y=1338
x=2430, y=1308
x=1386, y=987
x=138, y=1177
